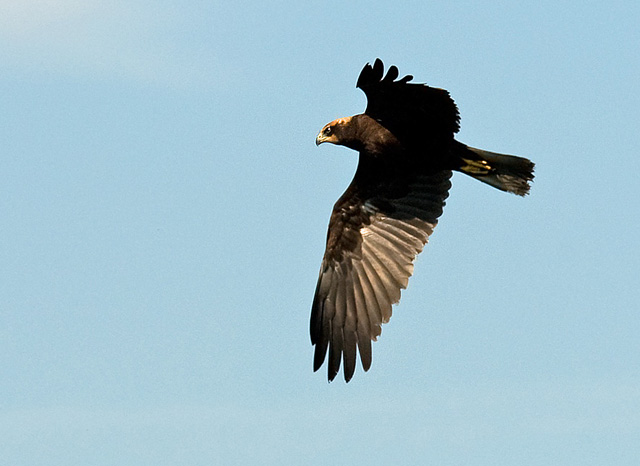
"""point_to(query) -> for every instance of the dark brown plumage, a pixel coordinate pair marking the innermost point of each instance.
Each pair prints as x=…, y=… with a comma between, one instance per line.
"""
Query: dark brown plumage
x=407, y=153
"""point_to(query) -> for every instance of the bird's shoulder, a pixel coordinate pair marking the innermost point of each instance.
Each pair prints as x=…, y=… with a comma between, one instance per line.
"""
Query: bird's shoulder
x=383, y=187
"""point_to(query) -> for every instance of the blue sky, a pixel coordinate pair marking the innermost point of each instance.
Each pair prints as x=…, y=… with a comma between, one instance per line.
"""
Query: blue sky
x=165, y=209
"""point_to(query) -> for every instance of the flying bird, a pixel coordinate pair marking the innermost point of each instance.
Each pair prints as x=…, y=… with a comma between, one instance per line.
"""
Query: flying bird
x=407, y=151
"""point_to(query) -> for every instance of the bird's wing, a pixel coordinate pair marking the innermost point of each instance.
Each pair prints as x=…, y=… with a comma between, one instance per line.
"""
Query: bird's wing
x=376, y=230
x=408, y=110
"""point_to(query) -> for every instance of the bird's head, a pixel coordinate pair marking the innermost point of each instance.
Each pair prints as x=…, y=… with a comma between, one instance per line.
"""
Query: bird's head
x=337, y=132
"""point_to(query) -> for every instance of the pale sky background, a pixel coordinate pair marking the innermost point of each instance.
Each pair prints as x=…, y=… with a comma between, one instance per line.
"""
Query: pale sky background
x=164, y=210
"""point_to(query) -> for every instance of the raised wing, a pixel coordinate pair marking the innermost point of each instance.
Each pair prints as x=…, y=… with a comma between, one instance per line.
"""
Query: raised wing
x=409, y=110
x=376, y=230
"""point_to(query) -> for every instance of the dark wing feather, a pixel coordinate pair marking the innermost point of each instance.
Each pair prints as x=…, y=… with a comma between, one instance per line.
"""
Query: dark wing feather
x=376, y=230
x=408, y=110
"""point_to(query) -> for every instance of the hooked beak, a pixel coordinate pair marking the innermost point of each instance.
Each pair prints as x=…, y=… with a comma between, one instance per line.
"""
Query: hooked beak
x=320, y=138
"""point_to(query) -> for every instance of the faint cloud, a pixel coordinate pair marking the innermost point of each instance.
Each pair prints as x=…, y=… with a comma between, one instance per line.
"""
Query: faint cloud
x=21, y=18
x=108, y=40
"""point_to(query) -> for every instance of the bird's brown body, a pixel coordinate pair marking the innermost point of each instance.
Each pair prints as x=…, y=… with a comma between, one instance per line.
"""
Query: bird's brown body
x=407, y=151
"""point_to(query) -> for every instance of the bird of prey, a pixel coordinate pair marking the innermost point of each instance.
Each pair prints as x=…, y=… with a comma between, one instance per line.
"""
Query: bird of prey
x=407, y=151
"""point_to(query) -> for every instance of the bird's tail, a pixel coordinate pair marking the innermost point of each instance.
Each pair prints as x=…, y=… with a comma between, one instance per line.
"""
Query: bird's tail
x=505, y=172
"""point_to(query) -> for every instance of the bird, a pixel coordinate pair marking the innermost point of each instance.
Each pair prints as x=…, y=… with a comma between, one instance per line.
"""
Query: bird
x=407, y=153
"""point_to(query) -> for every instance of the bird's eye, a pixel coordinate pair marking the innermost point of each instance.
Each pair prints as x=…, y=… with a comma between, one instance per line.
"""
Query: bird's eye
x=328, y=130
